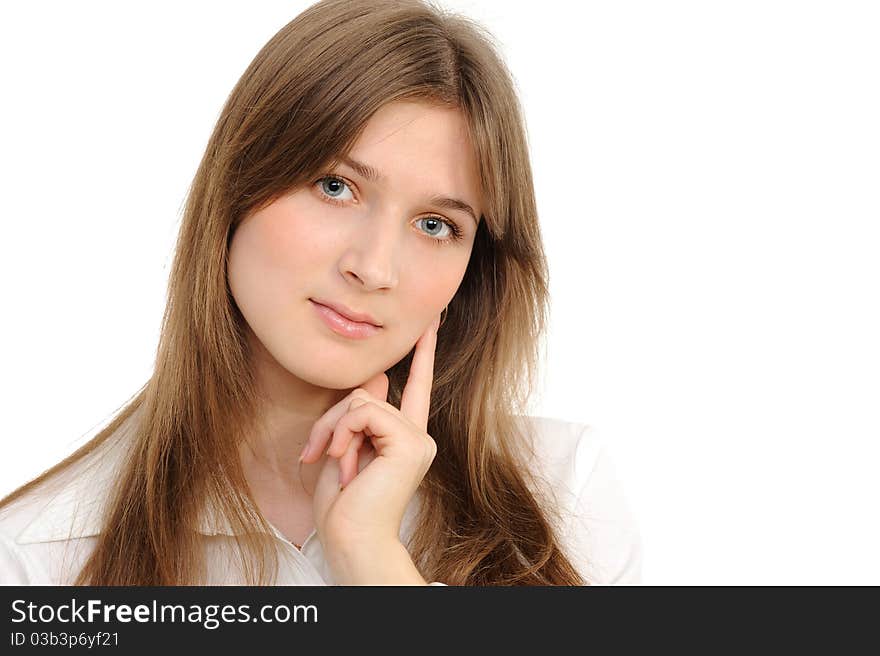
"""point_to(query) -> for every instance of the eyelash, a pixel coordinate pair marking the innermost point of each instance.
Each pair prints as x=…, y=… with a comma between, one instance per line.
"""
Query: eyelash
x=453, y=227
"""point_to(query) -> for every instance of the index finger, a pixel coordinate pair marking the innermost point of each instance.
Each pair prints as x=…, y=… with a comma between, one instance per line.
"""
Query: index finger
x=415, y=402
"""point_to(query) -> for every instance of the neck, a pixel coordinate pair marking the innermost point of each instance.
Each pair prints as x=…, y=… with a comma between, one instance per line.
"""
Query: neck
x=290, y=407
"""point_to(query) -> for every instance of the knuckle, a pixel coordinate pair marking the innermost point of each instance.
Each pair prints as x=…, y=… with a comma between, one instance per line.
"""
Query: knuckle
x=358, y=402
x=359, y=406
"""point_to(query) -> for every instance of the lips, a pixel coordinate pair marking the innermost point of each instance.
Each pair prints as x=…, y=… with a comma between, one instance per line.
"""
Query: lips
x=342, y=325
x=348, y=313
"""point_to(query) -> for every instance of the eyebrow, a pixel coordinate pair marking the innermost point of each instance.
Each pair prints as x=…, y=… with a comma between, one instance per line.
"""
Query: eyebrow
x=374, y=175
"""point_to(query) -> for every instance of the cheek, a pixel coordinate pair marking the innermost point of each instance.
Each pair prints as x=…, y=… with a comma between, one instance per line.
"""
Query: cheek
x=435, y=294
x=293, y=241
x=273, y=256
x=431, y=284
x=288, y=246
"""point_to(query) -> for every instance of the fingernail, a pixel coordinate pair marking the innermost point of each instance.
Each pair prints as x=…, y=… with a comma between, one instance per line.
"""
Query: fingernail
x=305, y=452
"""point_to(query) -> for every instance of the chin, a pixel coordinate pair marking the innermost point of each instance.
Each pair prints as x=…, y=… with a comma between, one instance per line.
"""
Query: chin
x=330, y=373
x=337, y=382
x=330, y=368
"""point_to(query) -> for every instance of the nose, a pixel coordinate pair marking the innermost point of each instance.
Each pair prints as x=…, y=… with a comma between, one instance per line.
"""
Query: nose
x=371, y=257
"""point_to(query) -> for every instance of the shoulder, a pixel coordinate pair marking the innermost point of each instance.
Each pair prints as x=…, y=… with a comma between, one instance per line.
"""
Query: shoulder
x=565, y=450
x=22, y=525
x=574, y=466
x=50, y=527
x=16, y=566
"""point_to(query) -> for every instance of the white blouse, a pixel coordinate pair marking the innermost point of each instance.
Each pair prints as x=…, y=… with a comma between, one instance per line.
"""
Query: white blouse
x=47, y=535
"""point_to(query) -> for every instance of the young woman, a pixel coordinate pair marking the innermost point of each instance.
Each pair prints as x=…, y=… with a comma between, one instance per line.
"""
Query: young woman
x=354, y=311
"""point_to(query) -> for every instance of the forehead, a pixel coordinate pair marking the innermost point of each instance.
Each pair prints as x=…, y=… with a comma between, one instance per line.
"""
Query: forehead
x=422, y=147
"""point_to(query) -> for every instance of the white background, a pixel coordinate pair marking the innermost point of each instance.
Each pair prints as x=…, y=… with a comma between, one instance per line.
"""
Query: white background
x=707, y=177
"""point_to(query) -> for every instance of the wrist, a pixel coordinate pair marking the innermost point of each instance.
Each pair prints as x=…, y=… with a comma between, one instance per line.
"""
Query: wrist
x=369, y=562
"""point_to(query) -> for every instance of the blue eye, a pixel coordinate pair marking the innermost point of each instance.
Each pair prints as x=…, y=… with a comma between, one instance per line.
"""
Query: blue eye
x=333, y=187
x=332, y=190
x=433, y=222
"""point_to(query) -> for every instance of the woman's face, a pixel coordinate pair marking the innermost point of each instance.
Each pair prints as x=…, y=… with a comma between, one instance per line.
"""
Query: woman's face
x=384, y=247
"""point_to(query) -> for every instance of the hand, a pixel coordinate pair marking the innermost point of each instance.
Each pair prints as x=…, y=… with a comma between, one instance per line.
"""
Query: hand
x=378, y=456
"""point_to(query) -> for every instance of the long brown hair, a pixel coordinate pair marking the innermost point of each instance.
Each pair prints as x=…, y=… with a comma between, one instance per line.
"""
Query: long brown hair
x=300, y=104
